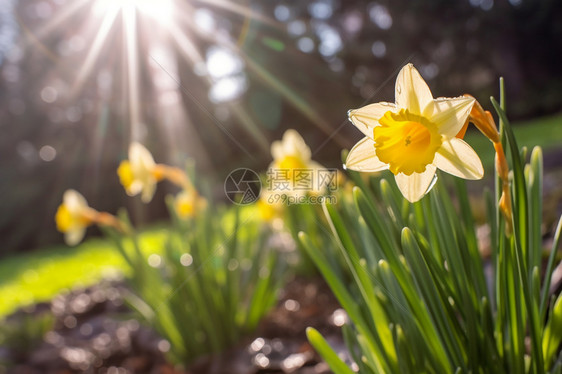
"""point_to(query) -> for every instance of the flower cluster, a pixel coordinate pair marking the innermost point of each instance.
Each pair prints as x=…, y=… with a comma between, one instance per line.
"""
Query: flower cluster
x=139, y=175
x=412, y=138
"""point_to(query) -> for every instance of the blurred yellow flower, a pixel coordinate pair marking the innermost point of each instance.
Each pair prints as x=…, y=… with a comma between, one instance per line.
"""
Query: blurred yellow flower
x=291, y=154
x=188, y=203
x=414, y=137
x=266, y=210
x=139, y=174
x=270, y=206
x=74, y=216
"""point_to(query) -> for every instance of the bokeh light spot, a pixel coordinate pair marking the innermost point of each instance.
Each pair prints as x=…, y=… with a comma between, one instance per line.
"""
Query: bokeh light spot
x=204, y=20
x=186, y=259
x=305, y=44
x=227, y=89
x=154, y=260
x=49, y=94
x=379, y=49
x=380, y=16
x=47, y=153
x=222, y=62
x=321, y=9
x=282, y=13
x=296, y=28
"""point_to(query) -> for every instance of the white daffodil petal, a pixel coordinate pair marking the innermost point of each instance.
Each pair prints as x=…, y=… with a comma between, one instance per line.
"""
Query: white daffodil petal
x=367, y=117
x=139, y=155
x=277, y=150
x=74, y=201
x=74, y=236
x=148, y=191
x=458, y=158
x=135, y=188
x=415, y=186
x=412, y=92
x=450, y=114
x=362, y=157
x=294, y=144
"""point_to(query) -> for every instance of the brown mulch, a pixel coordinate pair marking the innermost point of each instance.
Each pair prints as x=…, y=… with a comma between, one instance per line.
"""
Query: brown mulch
x=95, y=332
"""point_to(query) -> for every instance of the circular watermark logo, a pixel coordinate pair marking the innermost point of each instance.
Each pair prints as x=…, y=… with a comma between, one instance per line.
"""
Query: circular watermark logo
x=242, y=186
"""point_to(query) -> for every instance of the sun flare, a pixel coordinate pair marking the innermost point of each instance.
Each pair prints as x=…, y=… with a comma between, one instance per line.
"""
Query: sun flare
x=139, y=52
x=159, y=10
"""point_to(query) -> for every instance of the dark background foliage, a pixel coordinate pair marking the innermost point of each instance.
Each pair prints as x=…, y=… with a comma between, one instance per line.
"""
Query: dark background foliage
x=303, y=65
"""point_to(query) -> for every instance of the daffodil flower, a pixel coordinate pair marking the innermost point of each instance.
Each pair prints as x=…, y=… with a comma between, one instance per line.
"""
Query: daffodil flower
x=414, y=136
x=74, y=216
x=139, y=173
x=291, y=152
x=291, y=156
x=270, y=206
x=188, y=203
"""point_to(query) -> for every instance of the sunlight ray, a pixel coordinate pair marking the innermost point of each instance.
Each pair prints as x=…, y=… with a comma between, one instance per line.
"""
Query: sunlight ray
x=129, y=22
x=60, y=18
x=181, y=135
x=94, y=53
x=186, y=46
x=297, y=101
x=98, y=145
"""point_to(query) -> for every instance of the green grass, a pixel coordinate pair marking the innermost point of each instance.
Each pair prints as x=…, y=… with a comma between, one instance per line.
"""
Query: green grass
x=41, y=275
x=545, y=132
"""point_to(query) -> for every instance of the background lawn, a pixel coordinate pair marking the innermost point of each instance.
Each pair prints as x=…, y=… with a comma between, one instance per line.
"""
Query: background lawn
x=40, y=275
